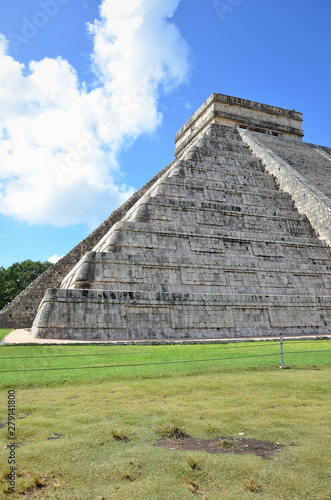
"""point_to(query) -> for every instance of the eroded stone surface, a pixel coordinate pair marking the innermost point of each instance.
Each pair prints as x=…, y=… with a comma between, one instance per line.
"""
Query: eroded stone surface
x=95, y=314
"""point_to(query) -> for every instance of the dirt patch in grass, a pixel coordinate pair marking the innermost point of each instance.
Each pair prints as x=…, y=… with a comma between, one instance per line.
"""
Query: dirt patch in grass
x=240, y=446
x=31, y=485
x=38, y=489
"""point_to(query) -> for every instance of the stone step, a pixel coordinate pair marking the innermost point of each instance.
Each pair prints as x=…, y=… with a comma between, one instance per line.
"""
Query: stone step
x=226, y=134
x=231, y=166
x=207, y=192
x=248, y=211
x=93, y=314
x=200, y=154
x=318, y=268
x=251, y=165
x=109, y=271
x=164, y=239
x=222, y=144
x=217, y=131
x=159, y=209
x=223, y=179
x=206, y=184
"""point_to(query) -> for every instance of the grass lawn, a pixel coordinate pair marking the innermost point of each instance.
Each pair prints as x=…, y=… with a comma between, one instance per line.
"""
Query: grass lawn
x=86, y=411
x=29, y=366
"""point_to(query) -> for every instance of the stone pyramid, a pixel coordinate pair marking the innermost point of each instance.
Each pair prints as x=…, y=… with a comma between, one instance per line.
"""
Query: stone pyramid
x=212, y=249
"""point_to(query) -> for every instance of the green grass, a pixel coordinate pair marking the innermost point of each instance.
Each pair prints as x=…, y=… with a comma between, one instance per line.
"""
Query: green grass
x=89, y=461
x=78, y=363
x=104, y=421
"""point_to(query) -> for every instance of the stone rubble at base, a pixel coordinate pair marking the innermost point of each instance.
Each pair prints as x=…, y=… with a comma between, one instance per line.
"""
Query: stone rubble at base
x=212, y=248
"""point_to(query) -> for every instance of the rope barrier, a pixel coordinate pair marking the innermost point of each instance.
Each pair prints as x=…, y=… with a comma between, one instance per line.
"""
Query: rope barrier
x=158, y=363
x=229, y=346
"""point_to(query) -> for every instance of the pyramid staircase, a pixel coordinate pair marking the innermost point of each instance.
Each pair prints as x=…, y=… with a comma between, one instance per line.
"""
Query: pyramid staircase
x=213, y=249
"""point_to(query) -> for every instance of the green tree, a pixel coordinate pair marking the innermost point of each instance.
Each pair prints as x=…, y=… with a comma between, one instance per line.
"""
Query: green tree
x=17, y=277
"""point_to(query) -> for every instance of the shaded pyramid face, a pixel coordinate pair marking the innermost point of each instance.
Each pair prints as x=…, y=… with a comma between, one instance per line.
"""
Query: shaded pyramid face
x=213, y=249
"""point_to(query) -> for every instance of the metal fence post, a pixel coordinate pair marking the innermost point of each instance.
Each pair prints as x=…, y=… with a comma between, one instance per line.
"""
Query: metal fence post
x=281, y=351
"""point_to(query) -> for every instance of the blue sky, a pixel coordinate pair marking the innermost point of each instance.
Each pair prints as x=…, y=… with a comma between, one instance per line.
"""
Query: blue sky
x=90, y=99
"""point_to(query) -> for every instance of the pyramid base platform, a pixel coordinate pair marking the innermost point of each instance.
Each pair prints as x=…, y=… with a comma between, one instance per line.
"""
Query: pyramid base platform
x=128, y=315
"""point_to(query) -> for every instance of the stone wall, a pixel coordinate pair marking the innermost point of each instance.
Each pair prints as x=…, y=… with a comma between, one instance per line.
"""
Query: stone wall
x=86, y=314
x=146, y=272
x=21, y=312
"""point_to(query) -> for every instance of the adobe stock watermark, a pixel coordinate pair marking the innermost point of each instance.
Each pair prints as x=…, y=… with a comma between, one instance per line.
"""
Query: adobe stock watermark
x=123, y=108
x=222, y=7
x=31, y=27
x=84, y=148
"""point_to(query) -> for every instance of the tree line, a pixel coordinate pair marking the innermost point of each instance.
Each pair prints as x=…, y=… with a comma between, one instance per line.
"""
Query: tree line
x=17, y=277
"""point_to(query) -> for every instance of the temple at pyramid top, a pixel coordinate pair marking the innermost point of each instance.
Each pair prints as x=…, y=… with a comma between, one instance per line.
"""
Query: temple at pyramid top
x=233, y=111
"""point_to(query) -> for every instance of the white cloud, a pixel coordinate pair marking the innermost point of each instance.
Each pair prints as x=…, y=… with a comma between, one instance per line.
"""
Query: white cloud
x=54, y=259
x=59, y=142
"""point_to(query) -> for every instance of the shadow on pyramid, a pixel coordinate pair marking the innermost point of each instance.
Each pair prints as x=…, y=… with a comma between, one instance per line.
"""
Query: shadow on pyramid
x=213, y=249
